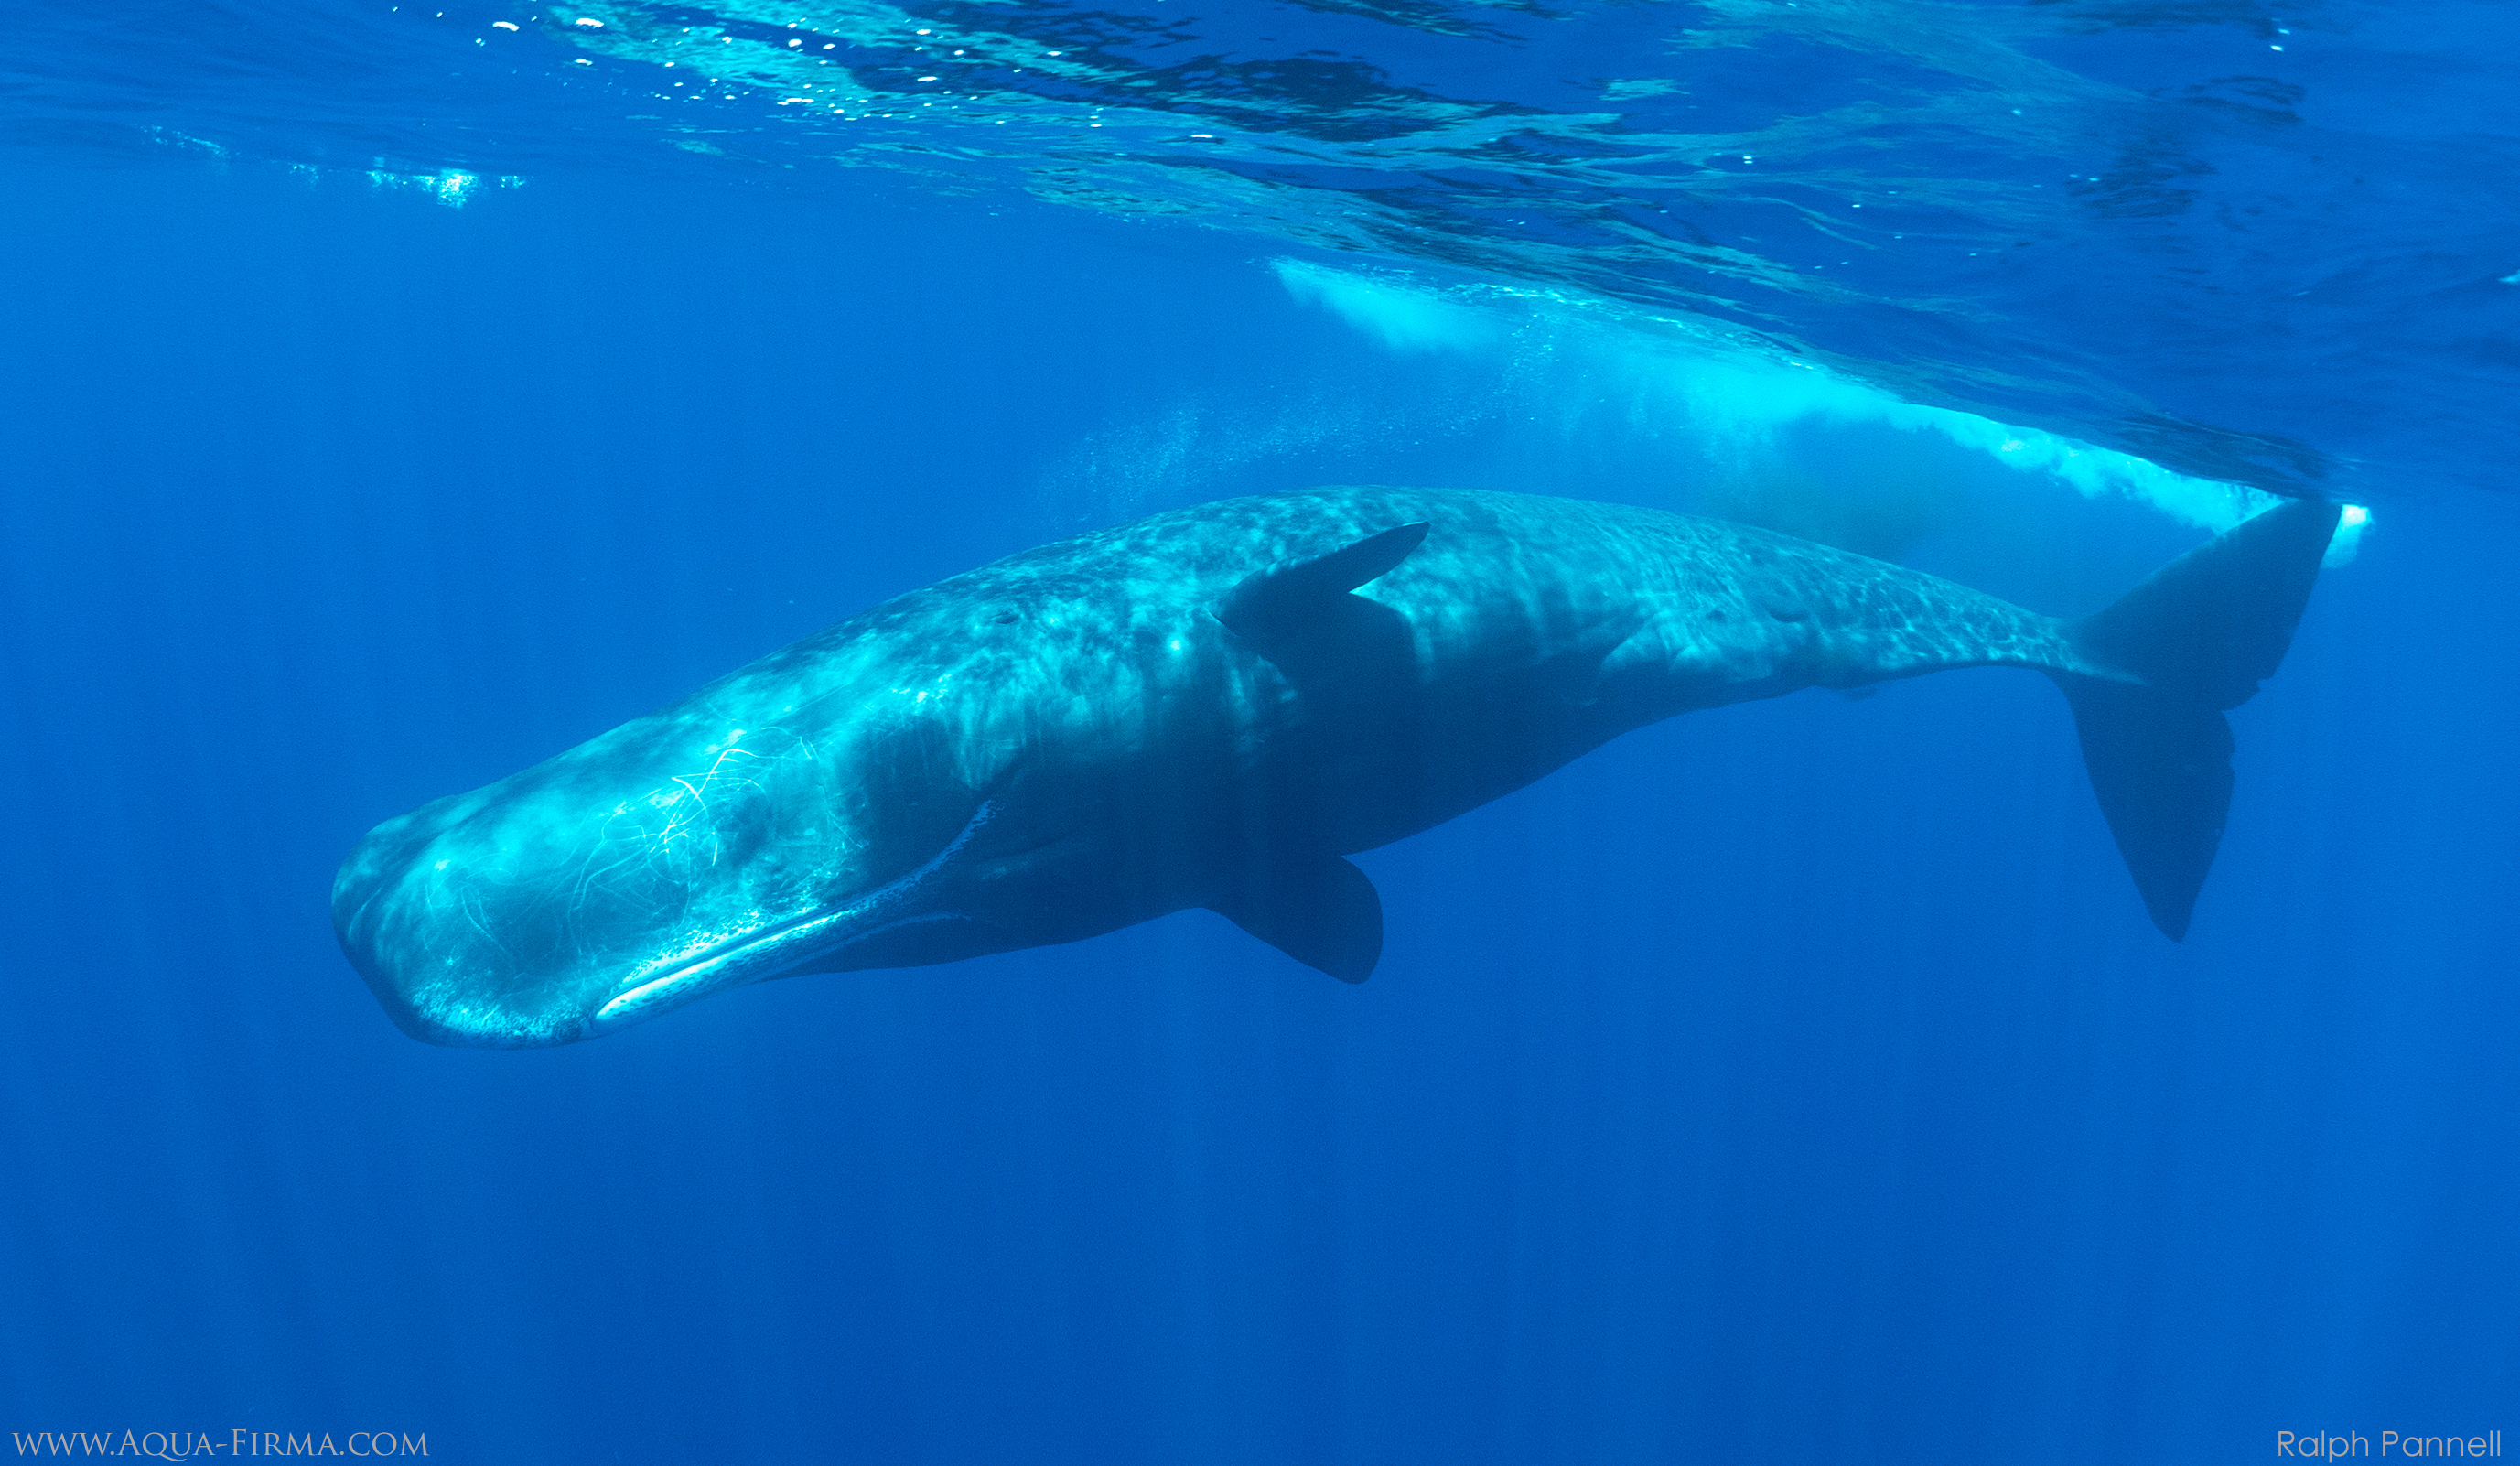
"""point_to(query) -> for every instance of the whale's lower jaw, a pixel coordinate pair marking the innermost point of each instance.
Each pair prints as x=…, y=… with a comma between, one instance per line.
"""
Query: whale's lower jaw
x=729, y=965
x=773, y=954
x=782, y=947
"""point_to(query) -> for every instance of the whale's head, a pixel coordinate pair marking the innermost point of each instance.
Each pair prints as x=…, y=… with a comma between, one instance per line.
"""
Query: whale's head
x=671, y=858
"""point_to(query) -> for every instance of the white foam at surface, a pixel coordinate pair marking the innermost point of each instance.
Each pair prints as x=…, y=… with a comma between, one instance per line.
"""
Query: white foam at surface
x=1742, y=390
x=1400, y=317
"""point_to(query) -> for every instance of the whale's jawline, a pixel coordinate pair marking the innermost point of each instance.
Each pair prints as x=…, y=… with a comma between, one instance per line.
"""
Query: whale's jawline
x=694, y=980
x=723, y=966
x=714, y=970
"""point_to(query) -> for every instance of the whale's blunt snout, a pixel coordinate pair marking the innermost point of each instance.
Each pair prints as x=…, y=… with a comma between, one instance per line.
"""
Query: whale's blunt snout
x=460, y=931
x=522, y=918
x=431, y=992
x=601, y=888
x=364, y=892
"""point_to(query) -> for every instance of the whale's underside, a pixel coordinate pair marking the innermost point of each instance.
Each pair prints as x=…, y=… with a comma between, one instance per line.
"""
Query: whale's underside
x=1213, y=707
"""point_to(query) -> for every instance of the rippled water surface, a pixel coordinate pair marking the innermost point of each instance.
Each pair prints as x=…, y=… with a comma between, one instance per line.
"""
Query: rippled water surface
x=2250, y=241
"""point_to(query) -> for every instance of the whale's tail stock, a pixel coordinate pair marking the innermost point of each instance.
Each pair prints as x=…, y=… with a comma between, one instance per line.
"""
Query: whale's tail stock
x=2197, y=637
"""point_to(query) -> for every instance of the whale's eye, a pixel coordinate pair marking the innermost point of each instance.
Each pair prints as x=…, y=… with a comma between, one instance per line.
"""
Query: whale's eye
x=1003, y=619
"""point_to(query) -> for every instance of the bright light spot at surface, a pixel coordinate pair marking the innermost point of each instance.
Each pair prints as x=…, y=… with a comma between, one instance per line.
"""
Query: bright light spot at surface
x=2349, y=533
x=449, y=187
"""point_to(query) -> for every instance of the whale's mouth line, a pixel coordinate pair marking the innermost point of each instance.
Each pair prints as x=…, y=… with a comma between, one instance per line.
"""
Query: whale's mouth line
x=775, y=933
x=726, y=952
x=759, y=954
x=714, y=969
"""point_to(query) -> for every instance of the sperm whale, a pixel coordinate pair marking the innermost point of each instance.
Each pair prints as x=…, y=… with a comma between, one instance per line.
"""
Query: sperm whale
x=1214, y=707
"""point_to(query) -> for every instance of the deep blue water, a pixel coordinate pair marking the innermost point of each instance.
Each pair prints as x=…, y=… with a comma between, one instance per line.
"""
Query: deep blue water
x=1799, y=1081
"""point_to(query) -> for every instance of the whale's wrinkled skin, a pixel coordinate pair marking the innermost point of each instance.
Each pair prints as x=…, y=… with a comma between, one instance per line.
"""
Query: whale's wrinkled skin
x=1209, y=708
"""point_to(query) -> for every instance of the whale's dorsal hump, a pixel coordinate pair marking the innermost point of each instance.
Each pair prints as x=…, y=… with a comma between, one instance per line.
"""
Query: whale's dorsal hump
x=1293, y=596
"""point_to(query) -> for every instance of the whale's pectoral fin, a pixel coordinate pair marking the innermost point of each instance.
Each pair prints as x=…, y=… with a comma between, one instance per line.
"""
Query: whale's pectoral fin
x=1296, y=598
x=1322, y=911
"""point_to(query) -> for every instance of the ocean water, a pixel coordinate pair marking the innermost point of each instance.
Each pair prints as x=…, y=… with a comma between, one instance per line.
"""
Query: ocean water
x=392, y=397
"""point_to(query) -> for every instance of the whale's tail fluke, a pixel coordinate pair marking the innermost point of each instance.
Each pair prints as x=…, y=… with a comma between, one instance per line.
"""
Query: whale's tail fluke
x=2198, y=635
